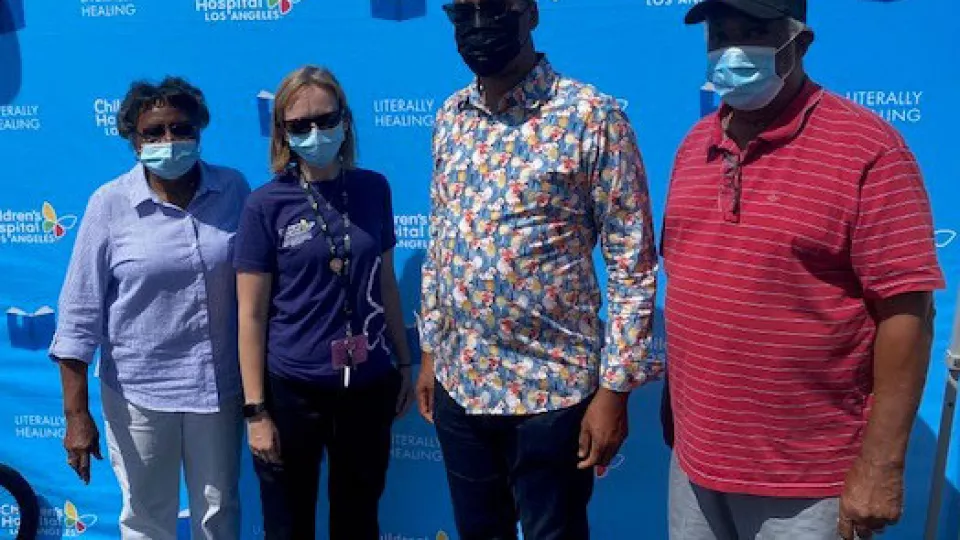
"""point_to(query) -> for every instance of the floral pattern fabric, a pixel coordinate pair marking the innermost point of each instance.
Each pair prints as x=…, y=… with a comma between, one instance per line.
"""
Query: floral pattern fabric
x=520, y=198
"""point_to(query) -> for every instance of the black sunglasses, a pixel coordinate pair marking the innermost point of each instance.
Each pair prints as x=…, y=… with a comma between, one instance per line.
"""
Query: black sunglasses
x=469, y=12
x=177, y=131
x=302, y=126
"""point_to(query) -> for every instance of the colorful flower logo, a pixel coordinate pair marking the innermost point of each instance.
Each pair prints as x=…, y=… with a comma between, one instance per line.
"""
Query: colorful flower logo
x=56, y=225
x=73, y=520
x=283, y=5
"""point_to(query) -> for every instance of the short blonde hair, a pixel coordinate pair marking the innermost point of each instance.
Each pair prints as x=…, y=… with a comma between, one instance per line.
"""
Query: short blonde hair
x=280, y=154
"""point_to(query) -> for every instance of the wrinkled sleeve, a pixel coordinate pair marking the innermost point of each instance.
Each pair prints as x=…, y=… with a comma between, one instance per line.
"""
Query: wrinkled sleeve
x=388, y=233
x=625, y=225
x=81, y=321
x=254, y=245
x=893, y=248
x=430, y=315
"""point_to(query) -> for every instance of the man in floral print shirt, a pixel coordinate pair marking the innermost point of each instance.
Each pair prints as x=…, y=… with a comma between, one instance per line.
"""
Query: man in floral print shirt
x=531, y=170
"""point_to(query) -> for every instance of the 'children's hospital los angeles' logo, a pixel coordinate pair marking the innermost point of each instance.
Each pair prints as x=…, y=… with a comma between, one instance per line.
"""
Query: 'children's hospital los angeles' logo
x=244, y=10
x=283, y=5
x=74, y=522
x=55, y=522
x=440, y=535
x=44, y=226
x=54, y=224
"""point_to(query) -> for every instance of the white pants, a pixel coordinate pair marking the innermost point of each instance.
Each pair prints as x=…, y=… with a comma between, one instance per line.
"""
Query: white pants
x=147, y=449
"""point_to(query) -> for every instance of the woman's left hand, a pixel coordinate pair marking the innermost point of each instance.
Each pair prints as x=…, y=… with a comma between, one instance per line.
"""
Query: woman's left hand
x=406, y=396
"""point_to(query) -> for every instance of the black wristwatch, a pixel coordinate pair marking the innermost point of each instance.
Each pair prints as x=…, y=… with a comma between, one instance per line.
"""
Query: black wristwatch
x=251, y=410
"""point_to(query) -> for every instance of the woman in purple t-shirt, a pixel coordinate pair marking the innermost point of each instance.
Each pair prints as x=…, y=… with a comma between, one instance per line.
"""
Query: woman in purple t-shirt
x=319, y=316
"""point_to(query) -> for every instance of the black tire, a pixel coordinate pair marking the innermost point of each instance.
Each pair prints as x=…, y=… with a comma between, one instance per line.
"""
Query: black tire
x=26, y=499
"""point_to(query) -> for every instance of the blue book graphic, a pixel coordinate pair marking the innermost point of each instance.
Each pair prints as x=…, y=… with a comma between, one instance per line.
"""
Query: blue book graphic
x=398, y=10
x=11, y=16
x=183, y=525
x=32, y=331
x=11, y=61
x=709, y=100
x=264, y=110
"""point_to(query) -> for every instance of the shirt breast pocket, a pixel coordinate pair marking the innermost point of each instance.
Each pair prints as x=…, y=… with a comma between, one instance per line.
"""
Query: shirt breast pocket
x=218, y=251
x=137, y=254
x=127, y=251
x=558, y=188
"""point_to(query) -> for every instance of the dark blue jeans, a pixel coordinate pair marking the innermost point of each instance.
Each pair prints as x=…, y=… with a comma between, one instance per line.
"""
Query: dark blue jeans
x=504, y=468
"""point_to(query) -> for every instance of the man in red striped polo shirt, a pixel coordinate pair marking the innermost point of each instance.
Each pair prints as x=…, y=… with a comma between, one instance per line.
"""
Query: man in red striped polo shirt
x=799, y=251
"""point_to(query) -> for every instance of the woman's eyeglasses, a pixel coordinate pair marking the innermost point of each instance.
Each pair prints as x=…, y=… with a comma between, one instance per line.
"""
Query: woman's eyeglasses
x=178, y=131
x=302, y=126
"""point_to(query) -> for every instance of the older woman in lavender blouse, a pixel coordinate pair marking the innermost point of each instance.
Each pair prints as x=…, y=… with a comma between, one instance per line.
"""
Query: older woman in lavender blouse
x=150, y=284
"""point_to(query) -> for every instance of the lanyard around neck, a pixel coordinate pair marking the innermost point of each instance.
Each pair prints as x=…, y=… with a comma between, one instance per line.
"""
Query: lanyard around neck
x=339, y=262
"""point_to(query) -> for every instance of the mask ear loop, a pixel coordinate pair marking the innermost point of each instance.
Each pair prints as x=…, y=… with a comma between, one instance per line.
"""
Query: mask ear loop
x=529, y=37
x=784, y=46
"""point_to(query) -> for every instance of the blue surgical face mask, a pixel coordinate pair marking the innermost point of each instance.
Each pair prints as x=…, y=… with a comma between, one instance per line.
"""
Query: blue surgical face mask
x=170, y=160
x=746, y=77
x=319, y=147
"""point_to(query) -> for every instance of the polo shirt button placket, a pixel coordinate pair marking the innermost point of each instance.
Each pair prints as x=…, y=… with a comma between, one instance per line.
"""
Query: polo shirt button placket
x=731, y=188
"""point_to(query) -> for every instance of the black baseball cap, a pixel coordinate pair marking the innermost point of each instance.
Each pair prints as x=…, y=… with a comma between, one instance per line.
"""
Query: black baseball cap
x=758, y=9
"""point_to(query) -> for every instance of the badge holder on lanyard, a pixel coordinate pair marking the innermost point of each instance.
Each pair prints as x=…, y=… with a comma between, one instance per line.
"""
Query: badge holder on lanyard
x=350, y=351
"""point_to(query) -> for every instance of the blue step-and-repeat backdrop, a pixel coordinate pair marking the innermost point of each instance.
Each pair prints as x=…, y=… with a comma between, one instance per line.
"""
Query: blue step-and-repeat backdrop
x=65, y=65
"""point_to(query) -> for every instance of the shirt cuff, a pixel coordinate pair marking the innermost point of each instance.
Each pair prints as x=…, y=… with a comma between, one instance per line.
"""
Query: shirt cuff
x=629, y=371
x=907, y=285
x=426, y=346
x=244, y=265
x=427, y=333
x=71, y=349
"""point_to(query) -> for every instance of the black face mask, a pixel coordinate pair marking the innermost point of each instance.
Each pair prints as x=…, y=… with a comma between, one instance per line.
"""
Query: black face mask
x=488, y=47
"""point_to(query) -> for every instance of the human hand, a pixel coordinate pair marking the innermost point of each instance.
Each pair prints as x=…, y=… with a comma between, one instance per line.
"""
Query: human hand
x=263, y=439
x=425, y=383
x=81, y=441
x=603, y=430
x=872, y=499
